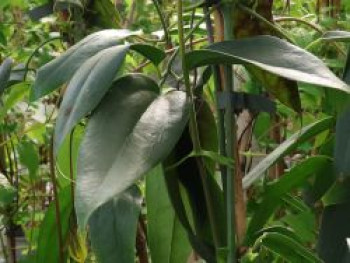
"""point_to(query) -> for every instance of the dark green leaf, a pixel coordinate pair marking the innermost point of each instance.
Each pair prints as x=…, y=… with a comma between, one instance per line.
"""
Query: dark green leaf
x=113, y=227
x=167, y=238
x=87, y=87
x=338, y=193
x=342, y=145
x=273, y=55
x=60, y=70
x=346, y=73
x=284, y=148
x=131, y=131
x=91, y=82
x=5, y=72
x=333, y=245
x=152, y=53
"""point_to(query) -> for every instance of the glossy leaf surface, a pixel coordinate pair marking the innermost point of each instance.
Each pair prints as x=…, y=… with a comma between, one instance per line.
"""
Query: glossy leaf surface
x=87, y=87
x=273, y=55
x=60, y=70
x=132, y=130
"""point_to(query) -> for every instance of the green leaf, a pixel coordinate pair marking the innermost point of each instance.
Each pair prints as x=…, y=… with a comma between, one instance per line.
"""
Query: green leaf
x=113, y=227
x=67, y=155
x=337, y=35
x=287, y=248
x=338, y=193
x=152, y=53
x=86, y=89
x=131, y=131
x=273, y=55
x=333, y=243
x=286, y=147
x=16, y=93
x=346, y=73
x=342, y=145
x=186, y=193
x=60, y=70
x=29, y=157
x=274, y=193
x=7, y=193
x=91, y=82
x=5, y=72
x=167, y=238
x=48, y=248
x=303, y=224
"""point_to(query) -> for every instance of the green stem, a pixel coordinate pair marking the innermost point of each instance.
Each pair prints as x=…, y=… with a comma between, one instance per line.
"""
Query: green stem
x=193, y=127
x=217, y=87
x=57, y=204
x=163, y=22
x=26, y=68
x=299, y=20
x=230, y=134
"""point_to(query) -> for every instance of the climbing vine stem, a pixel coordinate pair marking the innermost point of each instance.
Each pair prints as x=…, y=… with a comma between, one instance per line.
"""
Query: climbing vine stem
x=193, y=125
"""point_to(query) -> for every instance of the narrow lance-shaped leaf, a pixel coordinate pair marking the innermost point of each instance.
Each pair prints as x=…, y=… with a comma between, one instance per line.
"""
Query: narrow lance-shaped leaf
x=274, y=193
x=5, y=72
x=287, y=248
x=291, y=143
x=337, y=35
x=167, y=238
x=60, y=70
x=271, y=54
x=91, y=82
x=87, y=87
x=132, y=130
x=113, y=227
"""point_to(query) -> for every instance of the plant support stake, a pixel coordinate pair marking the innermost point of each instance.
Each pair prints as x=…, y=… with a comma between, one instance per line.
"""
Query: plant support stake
x=193, y=127
x=230, y=131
